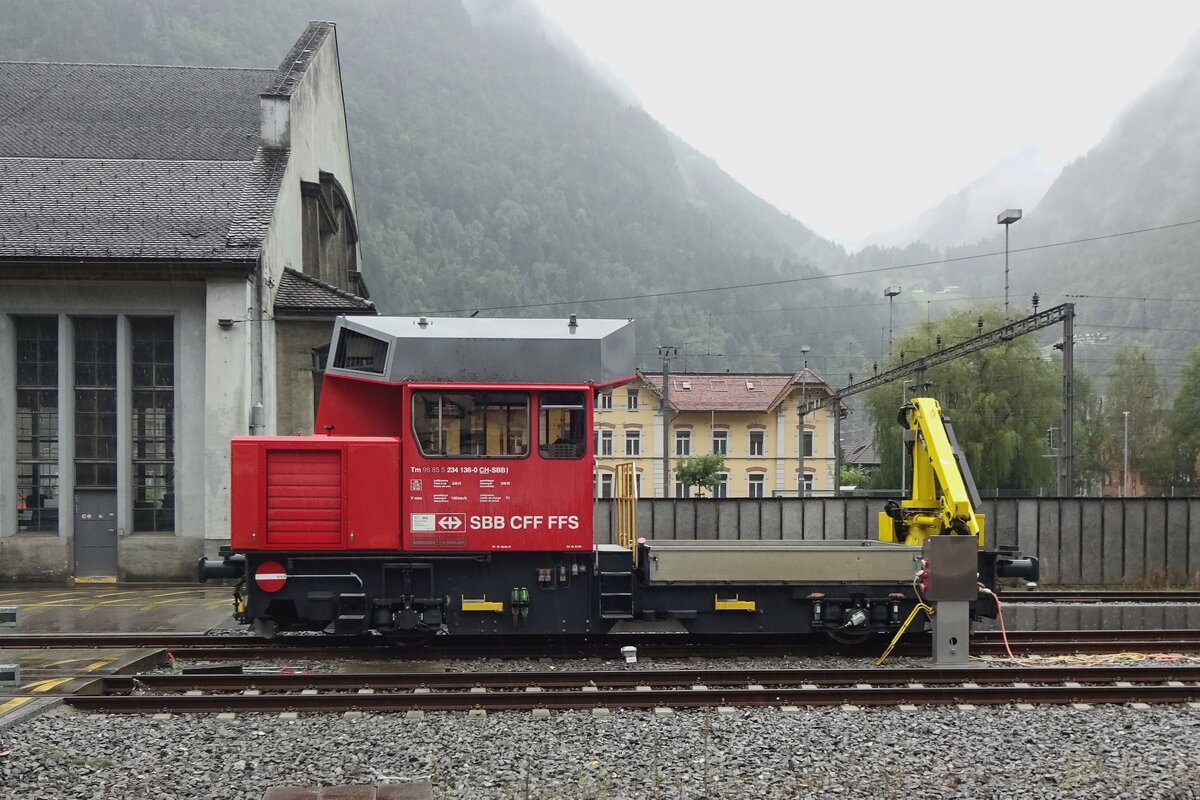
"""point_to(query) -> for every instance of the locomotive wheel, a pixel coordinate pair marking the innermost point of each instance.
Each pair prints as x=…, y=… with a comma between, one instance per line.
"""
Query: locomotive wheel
x=408, y=638
x=851, y=637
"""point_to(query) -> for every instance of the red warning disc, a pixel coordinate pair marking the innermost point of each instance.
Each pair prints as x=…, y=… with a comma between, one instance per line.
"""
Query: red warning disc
x=270, y=576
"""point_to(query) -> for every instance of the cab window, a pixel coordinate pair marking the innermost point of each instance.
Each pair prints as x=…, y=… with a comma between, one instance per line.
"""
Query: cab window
x=471, y=424
x=562, y=428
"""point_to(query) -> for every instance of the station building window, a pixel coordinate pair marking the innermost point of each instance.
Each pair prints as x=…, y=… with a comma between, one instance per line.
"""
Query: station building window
x=756, y=481
x=37, y=423
x=806, y=484
x=722, y=487
x=96, y=402
x=152, y=359
x=633, y=442
x=471, y=424
x=807, y=444
x=720, y=442
x=683, y=443
x=682, y=489
x=604, y=401
x=757, y=442
x=604, y=442
x=631, y=401
x=605, y=489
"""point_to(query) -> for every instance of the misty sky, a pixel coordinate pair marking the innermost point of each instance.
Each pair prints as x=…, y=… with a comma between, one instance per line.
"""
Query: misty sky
x=855, y=117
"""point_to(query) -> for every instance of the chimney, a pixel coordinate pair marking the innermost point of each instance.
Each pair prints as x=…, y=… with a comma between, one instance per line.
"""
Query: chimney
x=275, y=121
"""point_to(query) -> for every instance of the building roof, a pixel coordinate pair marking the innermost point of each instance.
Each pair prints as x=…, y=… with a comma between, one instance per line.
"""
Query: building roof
x=140, y=209
x=123, y=111
x=862, y=454
x=723, y=391
x=300, y=293
x=116, y=161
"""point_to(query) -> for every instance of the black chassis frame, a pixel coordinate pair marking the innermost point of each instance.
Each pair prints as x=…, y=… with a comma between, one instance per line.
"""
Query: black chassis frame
x=567, y=594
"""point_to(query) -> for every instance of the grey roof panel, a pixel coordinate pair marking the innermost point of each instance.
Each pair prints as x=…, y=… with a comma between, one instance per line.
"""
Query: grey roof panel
x=102, y=208
x=495, y=350
x=126, y=111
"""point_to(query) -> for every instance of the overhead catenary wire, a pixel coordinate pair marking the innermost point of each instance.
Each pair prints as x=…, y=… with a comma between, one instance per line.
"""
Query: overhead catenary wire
x=823, y=276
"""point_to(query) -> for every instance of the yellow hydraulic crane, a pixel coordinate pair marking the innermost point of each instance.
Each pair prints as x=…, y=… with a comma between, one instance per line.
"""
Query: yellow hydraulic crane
x=944, y=499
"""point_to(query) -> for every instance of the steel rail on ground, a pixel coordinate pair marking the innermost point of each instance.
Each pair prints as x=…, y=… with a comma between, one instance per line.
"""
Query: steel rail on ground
x=321, y=646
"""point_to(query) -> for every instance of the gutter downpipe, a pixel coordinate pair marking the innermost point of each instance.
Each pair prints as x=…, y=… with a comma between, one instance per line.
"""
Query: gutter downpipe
x=257, y=413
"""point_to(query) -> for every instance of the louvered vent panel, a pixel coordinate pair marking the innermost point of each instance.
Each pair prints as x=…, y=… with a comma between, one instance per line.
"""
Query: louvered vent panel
x=304, y=497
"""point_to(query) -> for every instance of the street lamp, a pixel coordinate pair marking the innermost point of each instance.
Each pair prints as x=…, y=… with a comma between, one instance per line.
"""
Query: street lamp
x=1125, y=468
x=1006, y=218
x=890, y=293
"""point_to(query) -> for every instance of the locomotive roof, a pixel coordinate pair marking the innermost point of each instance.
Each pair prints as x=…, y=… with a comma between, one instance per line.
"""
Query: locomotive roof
x=483, y=350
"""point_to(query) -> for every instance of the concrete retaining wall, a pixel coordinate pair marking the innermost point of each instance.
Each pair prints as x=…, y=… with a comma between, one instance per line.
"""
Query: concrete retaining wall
x=1080, y=541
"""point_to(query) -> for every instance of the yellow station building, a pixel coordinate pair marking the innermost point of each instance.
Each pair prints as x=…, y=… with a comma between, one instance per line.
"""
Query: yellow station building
x=774, y=446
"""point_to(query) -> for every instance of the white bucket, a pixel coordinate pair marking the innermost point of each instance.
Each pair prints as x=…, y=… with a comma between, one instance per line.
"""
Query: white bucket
x=630, y=654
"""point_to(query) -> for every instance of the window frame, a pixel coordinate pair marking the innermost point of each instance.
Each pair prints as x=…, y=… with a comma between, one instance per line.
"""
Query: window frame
x=604, y=443
x=683, y=442
x=414, y=415
x=633, y=442
x=720, y=435
x=759, y=480
x=756, y=436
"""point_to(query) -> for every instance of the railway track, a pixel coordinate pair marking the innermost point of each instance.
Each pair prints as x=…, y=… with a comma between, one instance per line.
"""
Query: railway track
x=1098, y=597
x=395, y=692
x=321, y=646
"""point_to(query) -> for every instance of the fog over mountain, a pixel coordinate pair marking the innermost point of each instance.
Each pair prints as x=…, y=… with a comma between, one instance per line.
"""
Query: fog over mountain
x=497, y=170
x=969, y=214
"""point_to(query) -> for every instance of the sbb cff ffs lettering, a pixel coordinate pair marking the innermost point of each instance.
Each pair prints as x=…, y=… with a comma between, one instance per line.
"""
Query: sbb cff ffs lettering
x=519, y=522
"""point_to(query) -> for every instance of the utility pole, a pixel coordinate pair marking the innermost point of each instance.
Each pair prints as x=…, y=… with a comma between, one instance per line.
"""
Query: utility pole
x=1125, y=468
x=667, y=353
x=1066, y=462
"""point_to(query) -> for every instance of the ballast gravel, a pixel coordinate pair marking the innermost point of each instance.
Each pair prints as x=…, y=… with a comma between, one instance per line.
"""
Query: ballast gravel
x=1000, y=752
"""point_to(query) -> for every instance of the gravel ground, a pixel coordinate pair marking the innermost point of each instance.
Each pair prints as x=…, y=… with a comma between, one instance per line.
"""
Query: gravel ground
x=582, y=664
x=1051, y=752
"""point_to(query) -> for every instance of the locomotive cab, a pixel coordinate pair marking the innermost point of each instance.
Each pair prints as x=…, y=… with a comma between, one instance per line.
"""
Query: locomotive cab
x=448, y=483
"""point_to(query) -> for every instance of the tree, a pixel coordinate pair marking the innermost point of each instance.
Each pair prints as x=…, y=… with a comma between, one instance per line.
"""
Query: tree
x=1134, y=387
x=857, y=477
x=1184, y=439
x=1002, y=401
x=700, y=471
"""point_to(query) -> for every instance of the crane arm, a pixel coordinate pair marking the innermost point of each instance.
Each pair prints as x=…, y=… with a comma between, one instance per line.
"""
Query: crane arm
x=944, y=497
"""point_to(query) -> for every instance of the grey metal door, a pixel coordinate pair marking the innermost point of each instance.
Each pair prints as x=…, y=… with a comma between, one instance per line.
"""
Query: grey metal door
x=96, y=534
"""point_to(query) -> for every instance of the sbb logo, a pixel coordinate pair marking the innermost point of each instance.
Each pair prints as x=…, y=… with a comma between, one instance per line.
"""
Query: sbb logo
x=487, y=523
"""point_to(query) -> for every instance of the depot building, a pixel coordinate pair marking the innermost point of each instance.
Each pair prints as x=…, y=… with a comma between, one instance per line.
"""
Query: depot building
x=175, y=243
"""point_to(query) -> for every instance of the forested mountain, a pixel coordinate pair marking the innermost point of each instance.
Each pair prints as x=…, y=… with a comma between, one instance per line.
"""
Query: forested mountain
x=495, y=172
x=1130, y=290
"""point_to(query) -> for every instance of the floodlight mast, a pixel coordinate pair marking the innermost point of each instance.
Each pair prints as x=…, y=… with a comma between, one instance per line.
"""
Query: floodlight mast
x=1006, y=218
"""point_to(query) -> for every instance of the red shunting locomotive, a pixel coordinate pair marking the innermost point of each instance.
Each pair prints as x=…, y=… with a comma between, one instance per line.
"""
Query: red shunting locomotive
x=449, y=489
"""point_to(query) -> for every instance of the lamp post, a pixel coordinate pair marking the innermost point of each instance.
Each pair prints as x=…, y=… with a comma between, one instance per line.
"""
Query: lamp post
x=1125, y=468
x=1006, y=218
x=890, y=293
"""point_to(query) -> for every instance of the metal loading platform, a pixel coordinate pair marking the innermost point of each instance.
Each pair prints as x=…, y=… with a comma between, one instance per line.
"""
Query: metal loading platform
x=775, y=562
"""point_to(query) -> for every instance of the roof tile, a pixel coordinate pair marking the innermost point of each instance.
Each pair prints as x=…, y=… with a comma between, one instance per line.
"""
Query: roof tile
x=300, y=292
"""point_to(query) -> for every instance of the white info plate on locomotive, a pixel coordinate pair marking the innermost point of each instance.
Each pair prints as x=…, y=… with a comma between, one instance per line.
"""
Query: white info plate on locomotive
x=423, y=523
